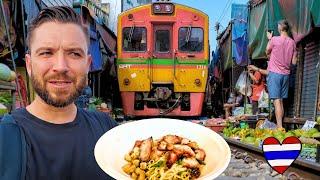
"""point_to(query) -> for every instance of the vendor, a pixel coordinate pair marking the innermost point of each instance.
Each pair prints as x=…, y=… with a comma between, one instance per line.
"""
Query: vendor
x=235, y=100
x=258, y=85
x=83, y=100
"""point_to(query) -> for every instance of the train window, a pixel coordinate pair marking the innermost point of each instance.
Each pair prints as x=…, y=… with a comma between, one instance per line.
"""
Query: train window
x=191, y=39
x=134, y=39
x=162, y=40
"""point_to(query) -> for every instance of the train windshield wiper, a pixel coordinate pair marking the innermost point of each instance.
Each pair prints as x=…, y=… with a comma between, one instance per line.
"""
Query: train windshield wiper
x=131, y=33
x=188, y=34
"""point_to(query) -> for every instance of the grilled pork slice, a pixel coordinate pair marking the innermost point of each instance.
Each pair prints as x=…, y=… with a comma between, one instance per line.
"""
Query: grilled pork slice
x=200, y=154
x=146, y=148
x=183, y=150
x=193, y=145
x=137, y=143
x=185, y=141
x=172, y=158
x=162, y=146
x=156, y=154
x=169, y=147
x=190, y=163
x=172, y=139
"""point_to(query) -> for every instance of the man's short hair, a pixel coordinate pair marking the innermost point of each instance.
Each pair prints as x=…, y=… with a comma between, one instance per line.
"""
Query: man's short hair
x=284, y=25
x=61, y=14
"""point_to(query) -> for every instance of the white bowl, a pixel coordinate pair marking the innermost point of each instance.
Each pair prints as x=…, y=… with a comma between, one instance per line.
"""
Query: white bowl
x=114, y=144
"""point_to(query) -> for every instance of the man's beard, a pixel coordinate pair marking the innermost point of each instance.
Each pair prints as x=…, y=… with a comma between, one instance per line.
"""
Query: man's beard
x=43, y=93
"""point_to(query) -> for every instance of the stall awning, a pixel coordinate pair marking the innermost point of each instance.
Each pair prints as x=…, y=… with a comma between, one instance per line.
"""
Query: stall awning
x=302, y=15
x=225, y=46
x=257, y=31
x=239, y=14
x=108, y=37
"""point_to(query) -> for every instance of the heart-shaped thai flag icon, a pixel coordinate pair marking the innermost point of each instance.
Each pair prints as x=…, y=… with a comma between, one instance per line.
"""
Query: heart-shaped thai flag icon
x=281, y=156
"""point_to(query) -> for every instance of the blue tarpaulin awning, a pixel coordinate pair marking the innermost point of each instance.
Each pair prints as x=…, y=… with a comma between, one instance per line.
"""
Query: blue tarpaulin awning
x=239, y=14
x=94, y=50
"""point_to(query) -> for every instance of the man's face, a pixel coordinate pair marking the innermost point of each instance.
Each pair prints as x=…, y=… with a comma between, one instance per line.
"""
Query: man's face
x=58, y=62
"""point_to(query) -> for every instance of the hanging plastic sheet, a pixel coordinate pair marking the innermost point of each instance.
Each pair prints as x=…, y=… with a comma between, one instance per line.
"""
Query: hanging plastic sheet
x=215, y=56
x=239, y=14
x=257, y=29
x=214, y=61
x=31, y=8
x=300, y=14
x=315, y=12
x=296, y=12
x=225, y=46
x=264, y=15
x=96, y=64
x=94, y=49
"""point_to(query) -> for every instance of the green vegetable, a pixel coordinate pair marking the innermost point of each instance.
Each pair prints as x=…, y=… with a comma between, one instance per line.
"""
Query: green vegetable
x=316, y=135
x=313, y=130
x=288, y=134
x=5, y=98
x=318, y=119
x=249, y=140
x=160, y=163
x=3, y=109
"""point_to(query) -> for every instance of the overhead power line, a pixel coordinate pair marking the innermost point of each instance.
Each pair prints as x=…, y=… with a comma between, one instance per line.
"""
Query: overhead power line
x=224, y=15
x=225, y=9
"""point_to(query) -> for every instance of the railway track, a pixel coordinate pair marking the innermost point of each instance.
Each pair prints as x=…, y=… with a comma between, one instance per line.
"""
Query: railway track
x=247, y=162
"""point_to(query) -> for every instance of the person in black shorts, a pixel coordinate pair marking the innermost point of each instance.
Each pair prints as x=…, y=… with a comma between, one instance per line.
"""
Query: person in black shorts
x=58, y=139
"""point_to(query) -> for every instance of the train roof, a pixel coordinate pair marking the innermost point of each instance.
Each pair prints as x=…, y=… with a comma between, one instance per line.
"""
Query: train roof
x=149, y=6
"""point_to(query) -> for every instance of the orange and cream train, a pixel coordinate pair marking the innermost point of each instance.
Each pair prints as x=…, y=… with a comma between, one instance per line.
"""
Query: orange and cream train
x=162, y=64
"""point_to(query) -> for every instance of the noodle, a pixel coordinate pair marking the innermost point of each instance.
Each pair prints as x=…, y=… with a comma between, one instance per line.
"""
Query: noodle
x=176, y=172
x=181, y=160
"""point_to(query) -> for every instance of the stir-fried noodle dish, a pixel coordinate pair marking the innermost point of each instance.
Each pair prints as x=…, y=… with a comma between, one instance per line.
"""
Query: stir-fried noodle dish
x=169, y=158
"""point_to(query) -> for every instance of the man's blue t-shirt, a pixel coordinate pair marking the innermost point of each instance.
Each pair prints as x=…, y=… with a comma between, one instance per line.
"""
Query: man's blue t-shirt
x=63, y=151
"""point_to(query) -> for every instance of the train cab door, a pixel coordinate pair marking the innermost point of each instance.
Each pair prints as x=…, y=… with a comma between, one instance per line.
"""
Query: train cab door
x=162, y=59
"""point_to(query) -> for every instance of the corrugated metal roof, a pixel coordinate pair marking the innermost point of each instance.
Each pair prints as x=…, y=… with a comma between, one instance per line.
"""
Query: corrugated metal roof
x=58, y=2
x=224, y=34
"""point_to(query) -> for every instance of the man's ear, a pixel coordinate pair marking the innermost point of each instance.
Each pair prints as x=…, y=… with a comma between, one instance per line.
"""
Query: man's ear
x=28, y=64
x=89, y=63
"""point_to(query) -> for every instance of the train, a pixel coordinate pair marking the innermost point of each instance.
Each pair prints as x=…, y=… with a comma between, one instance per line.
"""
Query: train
x=162, y=60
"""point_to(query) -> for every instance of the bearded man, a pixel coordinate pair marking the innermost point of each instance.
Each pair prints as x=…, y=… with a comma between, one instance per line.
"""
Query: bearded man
x=52, y=138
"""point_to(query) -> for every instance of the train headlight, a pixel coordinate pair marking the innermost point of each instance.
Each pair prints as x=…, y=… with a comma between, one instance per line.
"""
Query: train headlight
x=163, y=8
x=197, y=82
x=126, y=82
x=157, y=8
x=168, y=8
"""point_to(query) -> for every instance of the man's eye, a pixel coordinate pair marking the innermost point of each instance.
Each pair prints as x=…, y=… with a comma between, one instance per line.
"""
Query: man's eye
x=45, y=53
x=75, y=54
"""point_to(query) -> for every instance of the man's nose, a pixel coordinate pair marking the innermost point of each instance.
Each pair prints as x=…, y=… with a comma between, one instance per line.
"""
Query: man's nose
x=61, y=63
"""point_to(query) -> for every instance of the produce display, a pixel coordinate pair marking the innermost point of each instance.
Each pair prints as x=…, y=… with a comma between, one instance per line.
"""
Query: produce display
x=308, y=152
x=6, y=74
x=256, y=136
x=3, y=109
x=5, y=101
x=5, y=98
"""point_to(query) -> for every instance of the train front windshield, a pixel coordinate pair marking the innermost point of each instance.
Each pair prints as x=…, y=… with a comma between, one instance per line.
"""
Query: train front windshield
x=190, y=39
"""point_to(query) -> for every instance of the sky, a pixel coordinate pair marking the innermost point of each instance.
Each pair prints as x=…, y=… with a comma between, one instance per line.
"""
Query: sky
x=216, y=11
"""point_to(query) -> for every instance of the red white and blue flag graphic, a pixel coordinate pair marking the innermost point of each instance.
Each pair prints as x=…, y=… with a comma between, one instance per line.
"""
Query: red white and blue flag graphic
x=281, y=156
